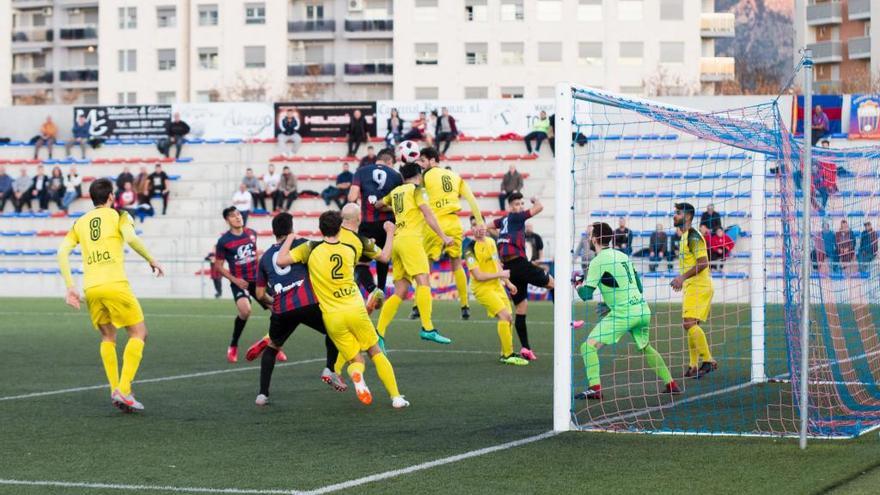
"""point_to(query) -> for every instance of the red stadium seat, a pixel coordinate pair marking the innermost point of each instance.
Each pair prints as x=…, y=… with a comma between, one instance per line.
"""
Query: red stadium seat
x=100, y=161
x=492, y=157
x=455, y=158
x=474, y=158
x=487, y=194
x=277, y=158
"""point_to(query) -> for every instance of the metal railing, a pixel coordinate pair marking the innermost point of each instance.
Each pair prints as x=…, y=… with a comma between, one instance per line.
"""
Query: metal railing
x=78, y=33
x=85, y=74
x=368, y=25
x=715, y=69
x=858, y=10
x=824, y=13
x=370, y=69
x=717, y=24
x=306, y=70
x=38, y=76
x=32, y=35
x=859, y=47
x=317, y=26
x=826, y=51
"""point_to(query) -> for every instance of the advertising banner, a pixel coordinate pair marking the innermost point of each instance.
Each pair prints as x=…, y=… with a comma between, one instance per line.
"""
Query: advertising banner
x=125, y=121
x=864, y=117
x=474, y=118
x=326, y=119
x=228, y=120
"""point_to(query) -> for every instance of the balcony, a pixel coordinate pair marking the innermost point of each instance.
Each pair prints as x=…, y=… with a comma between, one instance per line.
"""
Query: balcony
x=858, y=48
x=311, y=30
x=828, y=87
x=819, y=14
x=78, y=35
x=859, y=10
x=84, y=74
x=827, y=52
x=315, y=72
x=717, y=25
x=31, y=4
x=369, y=28
x=37, y=76
x=31, y=40
x=717, y=69
x=369, y=72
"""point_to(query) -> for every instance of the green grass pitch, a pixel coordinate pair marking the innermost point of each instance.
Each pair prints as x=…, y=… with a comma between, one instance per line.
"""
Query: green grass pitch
x=205, y=432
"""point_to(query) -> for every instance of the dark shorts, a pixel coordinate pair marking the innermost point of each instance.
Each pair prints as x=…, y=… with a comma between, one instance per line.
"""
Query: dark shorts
x=375, y=231
x=238, y=293
x=522, y=274
x=281, y=326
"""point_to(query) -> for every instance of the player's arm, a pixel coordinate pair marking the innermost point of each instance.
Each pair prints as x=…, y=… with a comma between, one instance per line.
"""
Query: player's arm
x=299, y=254
x=385, y=255
x=435, y=226
x=536, y=208
x=354, y=193
x=585, y=291
x=131, y=238
x=465, y=192
x=383, y=204
x=698, y=247
x=70, y=241
x=260, y=292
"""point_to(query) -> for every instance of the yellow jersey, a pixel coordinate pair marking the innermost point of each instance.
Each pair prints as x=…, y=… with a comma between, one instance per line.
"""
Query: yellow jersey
x=693, y=247
x=364, y=247
x=444, y=188
x=483, y=255
x=406, y=200
x=331, y=271
x=99, y=233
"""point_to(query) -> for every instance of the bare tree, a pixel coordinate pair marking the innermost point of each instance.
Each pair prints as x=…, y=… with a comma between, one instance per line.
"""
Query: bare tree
x=664, y=83
x=40, y=97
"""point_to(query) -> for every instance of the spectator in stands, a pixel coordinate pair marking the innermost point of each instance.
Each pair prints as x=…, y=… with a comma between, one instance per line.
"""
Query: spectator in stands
x=5, y=189
x=47, y=137
x=358, y=132
x=252, y=183
x=143, y=188
x=72, y=188
x=623, y=237
x=369, y=158
x=287, y=188
x=512, y=182
x=720, y=246
x=846, y=245
x=271, y=180
x=710, y=218
x=80, y=136
x=867, y=247
x=826, y=182
x=417, y=128
x=551, y=135
x=395, y=129
x=536, y=242
x=657, y=247
x=214, y=273
x=159, y=186
x=176, y=130
x=821, y=124
x=826, y=249
x=338, y=193
x=122, y=178
x=142, y=183
x=242, y=200
x=55, y=189
x=430, y=128
x=584, y=252
x=674, y=245
x=539, y=133
x=446, y=131
x=40, y=189
x=127, y=199
x=288, y=133
x=21, y=191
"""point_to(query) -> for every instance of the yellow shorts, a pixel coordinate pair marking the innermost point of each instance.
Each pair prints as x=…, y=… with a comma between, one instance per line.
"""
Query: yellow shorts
x=351, y=331
x=494, y=300
x=697, y=301
x=408, y=258
x=451, y=226
x=113, y=303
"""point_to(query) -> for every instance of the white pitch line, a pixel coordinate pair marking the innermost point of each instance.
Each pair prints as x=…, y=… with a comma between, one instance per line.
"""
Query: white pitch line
x=177, y=489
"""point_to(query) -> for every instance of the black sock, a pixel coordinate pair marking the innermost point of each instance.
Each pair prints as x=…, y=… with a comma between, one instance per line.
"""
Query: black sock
x=267, y=366
x=521, y=331
x=332, y=353
x=381, y=274
x=237, y=330
x=365, y=278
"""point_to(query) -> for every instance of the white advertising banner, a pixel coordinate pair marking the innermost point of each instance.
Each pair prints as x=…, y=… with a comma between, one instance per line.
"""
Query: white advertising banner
x=474, y=118
x=228, y=120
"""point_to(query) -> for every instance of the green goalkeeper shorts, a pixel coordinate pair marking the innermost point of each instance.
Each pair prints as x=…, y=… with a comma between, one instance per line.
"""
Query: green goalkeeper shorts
x=636, y=321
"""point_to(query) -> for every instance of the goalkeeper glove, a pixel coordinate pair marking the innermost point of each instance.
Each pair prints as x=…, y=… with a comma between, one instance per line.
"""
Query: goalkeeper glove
x=602, y=309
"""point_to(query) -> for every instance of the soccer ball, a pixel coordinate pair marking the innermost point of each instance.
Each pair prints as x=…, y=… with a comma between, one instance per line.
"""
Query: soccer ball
x=407, y=152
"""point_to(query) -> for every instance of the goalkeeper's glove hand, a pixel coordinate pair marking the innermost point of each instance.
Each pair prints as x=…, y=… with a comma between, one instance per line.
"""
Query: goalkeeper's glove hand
x=602, y=309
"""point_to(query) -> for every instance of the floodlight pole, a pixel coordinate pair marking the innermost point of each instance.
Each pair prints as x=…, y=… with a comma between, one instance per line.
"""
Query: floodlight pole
x=807, y=237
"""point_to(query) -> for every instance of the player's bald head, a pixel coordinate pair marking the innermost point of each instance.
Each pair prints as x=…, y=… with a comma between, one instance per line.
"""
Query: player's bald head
x=351, y=213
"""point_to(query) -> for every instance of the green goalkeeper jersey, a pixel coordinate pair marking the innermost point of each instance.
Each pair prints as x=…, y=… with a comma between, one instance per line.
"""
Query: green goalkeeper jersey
x=612, y=273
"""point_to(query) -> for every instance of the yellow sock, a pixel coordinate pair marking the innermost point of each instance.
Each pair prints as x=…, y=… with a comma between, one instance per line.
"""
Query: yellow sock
x=424, y=303
x=700, y=342
x=506, y=337
x=111, y=366
x=340, y=362
x=386, y=373
x=692, y=350
x=355, y=368
x=389, y=309
x=131, y=359
x=461, y=286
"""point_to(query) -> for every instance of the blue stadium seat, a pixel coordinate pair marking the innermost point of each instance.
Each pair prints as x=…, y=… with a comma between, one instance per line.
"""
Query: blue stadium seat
x=599, y=213
x=692, y=175
x=632, y=137
x=681, y=156
x=636, y=175
x=659, y=214
x=723, y=194
x=184, y=160
x=232, y=141
x=617, y=213
x=731, y=175
x=650, y=137
x=195, y=141
x=617, y=175
x=27, y=233
x=742, y=255
x=76, y=214
x=638, y=213
x=626, y=194
x=624, y=156
x=642, y=156
x=718, y=156
x=704, y=194
x=672, y=175
x=607, y=194
x=665, y=194
x=646, y=194
x=213, y=141
x=654, y=175
x=738, y=214
x=743, y=195
x=128, y=142
x=48, y=252
x=738, y=156
x=612, y=137
x=669, y=137
x=661, y=156
x=684, y=194
x=711, y=175
x=735, y=275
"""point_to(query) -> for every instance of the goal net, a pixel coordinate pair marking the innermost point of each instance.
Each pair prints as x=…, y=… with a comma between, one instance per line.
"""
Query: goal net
x=628, y=162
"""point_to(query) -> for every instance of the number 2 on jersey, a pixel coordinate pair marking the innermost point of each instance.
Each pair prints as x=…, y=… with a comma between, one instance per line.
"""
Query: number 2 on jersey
x=336, y=272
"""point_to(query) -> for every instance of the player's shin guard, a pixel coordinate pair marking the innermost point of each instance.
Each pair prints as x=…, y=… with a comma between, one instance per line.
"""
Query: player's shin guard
x=506, y=338
x=364, y=278
x=522, y=331
x=700, y=343
x=386, y=373
x=389, y=309
x=237, y=331
x=591, y=363
x=381, y=275
x=656, y=362
x=267, y=366
x=131, y=359
x=425, y=305
x=356, y=368
x=111, y=364
x=461, y=286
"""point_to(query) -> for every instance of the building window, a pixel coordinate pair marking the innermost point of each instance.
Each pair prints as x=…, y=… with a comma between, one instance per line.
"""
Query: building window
x=476, y=93
x=550, y=51
x=631, y=52
x=255, y=13
x=426, y=10
x=671, y=10
x=427, y=93
x=589, y=10
x=166, y=97
x=512, y=92
x=128, y=18
x=207, y=96
x=549, y=10
x=209, y=15
x=590, y=52
x=314, y=12
x=476, y=11
x=254, y=57
x=671, y=52
x=166, y=17
x=426, y=53
x=512, y=53
x=476, y=53
x=630, y=10
x=167, y=59
x=546, y=92
x=127, y=60
x=512, y=10
x=208, y=58
x=129, y=98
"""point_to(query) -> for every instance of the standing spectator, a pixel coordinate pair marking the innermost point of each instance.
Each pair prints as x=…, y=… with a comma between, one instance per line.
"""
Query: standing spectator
x=56, y=187
x=122, y=178
x=40, y=189
x=657, y=247
x=214, y=273
x=73, y=188
x=5, y=188
x=536, y=243
x=48, y=136
x=821, y=124
x=395, y=129
x=242, y=201
x=159, y=186
x=358, y=132
x=674, y=245
x=539, y=133
x=176, y=130
x=289, y=133
x=417, y=128
x=339, y=192
x=623, y=237
x=21, y=191
x=512, y=182
x=369, y=158
x=584, y=252
x=287, y=188
x=827, y=248
x=720, y=246
x=710, y=218
x=81, y=136
x=846, y=245
x=867, y=247
x=446, y=131
x=252, y=183
x=430, y=128
x=271, y=180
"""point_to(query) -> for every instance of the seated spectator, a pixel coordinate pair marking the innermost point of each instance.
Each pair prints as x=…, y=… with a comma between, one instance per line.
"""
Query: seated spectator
x=539, y=133
x=176, y=132
x=81, y=135
x=720, y=245
x=287, y=188
x=72, y=188
x=47, y=137
x=288, y=133
x=358, y=132
x=338, y=193
x=395, y=129
x=710, y=218
x=446, y=131
x=5, y=189
x=657, y=247
x=252, y=183
x=820, y=123
x=536, y=244
x=242, y=201
x=623, y=237
x=40, y=189
x=674, y=245
x=369, y=158
x=56, y=187
x=867, y=247
x=122, y=178
x=159, y=186
x=846, y=245
x=142, y=188
x=127, y=199
x=826, y=250
x=512, y=182
x=417, y=128
x=271, y=179
x=21, y=191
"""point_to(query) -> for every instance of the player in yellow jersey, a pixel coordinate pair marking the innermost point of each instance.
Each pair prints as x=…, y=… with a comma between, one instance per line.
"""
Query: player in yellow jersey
x=102, y=234
x=331, y=270
x=488, y=283
x=696, y=282
x=445, y=190
x=408, y=258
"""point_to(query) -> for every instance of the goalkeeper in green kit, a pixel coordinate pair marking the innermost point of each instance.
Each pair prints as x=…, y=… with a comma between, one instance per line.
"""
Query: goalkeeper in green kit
x=613, y=274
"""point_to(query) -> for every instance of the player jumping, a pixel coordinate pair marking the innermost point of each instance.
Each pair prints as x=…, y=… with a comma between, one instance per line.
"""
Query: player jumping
x=102, y=233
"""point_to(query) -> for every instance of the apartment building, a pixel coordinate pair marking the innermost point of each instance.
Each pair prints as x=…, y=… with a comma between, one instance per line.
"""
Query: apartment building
x=839, y=34
x=5, y=48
